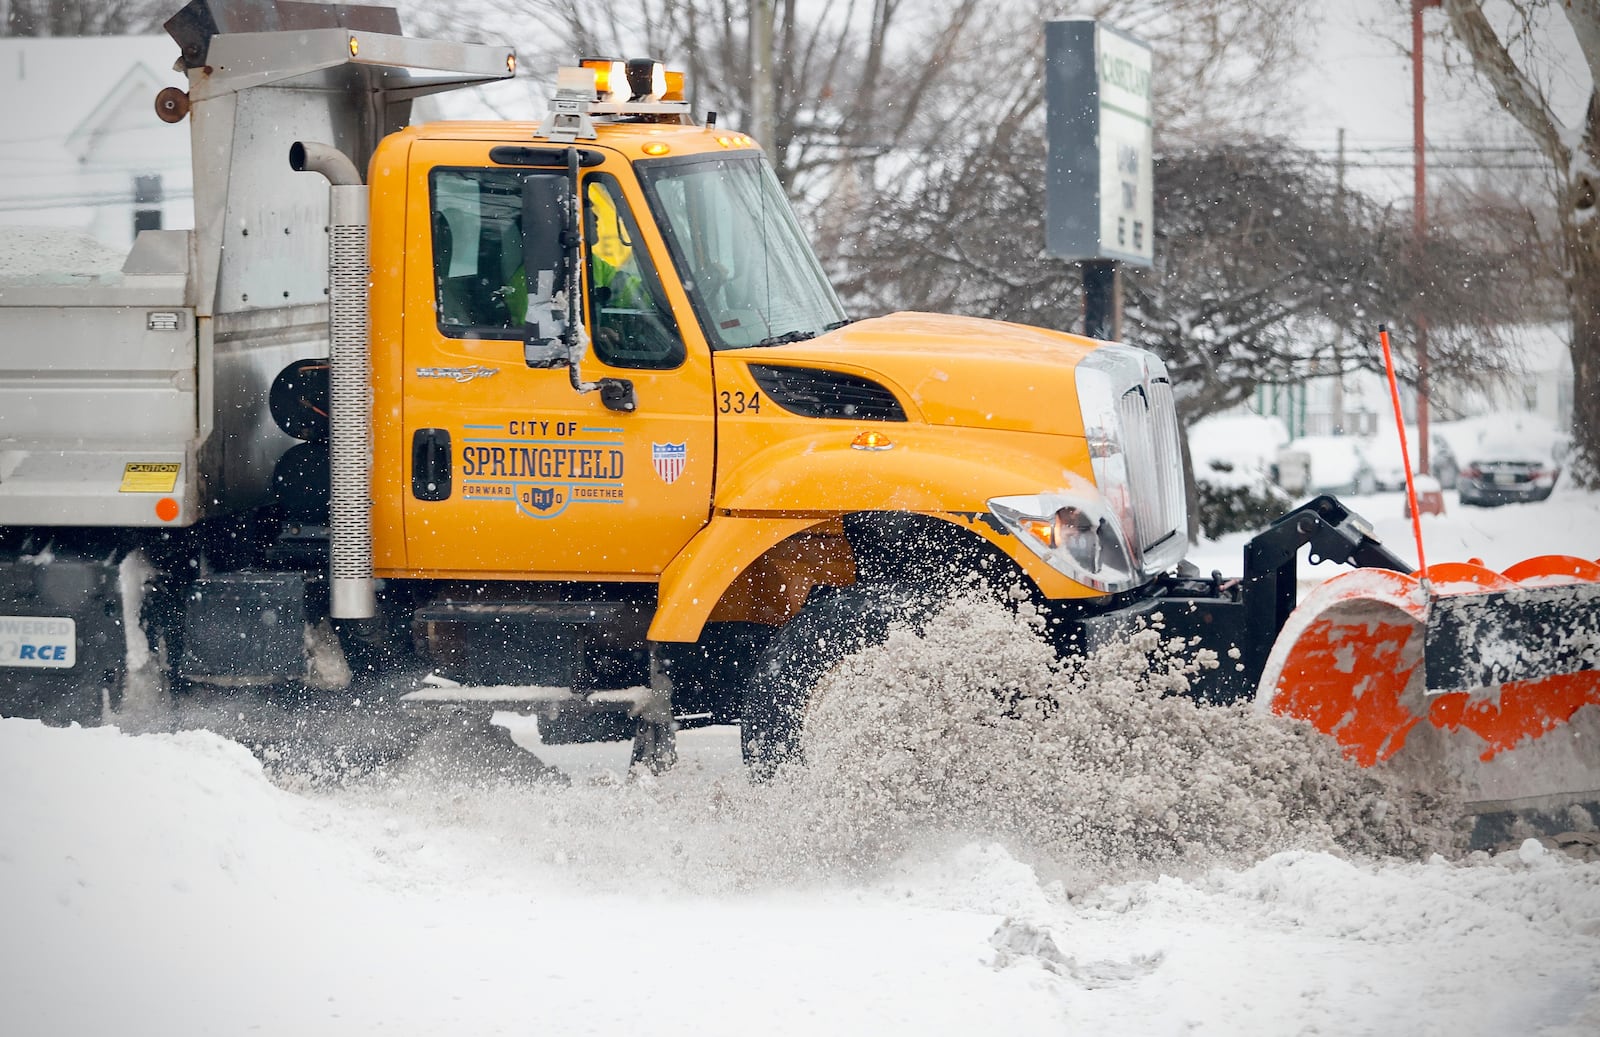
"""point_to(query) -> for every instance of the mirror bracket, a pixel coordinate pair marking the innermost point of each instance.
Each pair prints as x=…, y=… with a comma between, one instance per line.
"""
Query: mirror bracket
x=618, y=395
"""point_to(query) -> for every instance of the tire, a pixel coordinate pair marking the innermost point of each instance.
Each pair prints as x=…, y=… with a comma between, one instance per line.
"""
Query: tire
x=836, y=622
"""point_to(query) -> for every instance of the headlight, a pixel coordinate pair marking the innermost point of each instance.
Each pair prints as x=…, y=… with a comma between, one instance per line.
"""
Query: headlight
x=1073, y=535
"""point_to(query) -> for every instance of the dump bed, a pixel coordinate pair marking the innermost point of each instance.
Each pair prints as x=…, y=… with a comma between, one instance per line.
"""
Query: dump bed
x=98, y=388
x=139, y=397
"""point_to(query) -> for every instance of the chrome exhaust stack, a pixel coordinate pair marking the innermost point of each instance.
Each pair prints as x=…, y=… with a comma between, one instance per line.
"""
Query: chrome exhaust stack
x=351, y=592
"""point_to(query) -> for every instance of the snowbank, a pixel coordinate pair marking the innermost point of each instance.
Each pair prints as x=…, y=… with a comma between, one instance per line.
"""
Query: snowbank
x=160, y=885
x=1235, y=443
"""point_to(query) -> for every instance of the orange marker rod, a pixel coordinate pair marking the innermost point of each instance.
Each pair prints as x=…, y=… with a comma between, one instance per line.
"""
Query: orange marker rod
x=1405, y=454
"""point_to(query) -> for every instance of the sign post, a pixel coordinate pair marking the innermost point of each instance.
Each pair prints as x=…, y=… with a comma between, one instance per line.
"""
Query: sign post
x=1099, y=177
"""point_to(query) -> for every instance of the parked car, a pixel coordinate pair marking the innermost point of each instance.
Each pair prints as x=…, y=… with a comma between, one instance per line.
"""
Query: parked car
x=1508, y=469
x=1383, y=450
x=1325, y=464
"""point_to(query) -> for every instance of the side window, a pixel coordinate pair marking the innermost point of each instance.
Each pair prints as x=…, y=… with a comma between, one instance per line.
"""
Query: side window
x=631, y=324
x=480, y=288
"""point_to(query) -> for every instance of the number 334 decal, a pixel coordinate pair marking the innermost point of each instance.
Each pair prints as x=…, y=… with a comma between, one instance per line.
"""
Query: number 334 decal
x=738, y=402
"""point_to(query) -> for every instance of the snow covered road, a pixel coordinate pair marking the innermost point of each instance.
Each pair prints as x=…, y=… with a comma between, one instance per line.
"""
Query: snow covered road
x=161, y=885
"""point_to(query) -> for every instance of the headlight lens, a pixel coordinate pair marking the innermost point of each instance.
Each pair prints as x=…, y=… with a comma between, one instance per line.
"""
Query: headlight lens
x=1073, y=535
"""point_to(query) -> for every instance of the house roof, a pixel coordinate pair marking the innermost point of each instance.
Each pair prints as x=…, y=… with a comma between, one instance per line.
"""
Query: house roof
x=63, y=81
x=77, y=119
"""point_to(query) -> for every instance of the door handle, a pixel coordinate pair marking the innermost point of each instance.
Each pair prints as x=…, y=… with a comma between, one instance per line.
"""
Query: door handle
x=430, y=464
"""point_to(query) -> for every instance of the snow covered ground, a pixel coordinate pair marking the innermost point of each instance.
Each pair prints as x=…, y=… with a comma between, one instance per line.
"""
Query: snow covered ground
x=1567, y=523
x=161, y=884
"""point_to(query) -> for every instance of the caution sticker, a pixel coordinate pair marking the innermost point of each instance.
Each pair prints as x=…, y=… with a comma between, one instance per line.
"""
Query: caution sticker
x=149, y=477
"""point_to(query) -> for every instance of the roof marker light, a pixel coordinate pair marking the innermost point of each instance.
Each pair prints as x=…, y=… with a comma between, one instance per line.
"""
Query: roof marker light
x=647, y=79
x=610, y=79
x=655, y=148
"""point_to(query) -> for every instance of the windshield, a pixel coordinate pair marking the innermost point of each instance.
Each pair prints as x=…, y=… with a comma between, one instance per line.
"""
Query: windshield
x=748, y=270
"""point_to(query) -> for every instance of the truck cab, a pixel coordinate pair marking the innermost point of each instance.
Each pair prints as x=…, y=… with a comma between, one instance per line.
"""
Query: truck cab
x=565, y=411
x=748, y=389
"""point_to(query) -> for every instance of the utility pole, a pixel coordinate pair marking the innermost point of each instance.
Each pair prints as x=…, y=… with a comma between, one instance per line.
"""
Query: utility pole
x=762, y=101
x=1420, y=226
x=1338, y=332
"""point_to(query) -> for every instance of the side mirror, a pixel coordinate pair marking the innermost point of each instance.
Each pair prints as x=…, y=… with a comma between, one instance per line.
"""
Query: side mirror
x=547, y=245
x=552, y=241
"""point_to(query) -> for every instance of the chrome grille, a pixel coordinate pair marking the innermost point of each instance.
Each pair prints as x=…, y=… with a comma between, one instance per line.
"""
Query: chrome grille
x=1155, y=469
x=1174, y=515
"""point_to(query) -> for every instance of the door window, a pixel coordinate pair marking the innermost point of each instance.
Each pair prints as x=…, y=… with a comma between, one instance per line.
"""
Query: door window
x=480, y=285
x=632, y=324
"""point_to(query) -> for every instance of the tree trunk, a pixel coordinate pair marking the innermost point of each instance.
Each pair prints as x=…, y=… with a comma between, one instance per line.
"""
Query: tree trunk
x=1583, y=250
x=1584, y=293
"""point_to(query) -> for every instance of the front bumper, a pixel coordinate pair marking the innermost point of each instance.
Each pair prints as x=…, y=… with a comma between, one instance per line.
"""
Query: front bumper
x=1473, y=492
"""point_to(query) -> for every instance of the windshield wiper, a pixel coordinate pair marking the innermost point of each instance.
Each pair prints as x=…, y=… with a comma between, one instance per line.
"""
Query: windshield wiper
x=787, y=336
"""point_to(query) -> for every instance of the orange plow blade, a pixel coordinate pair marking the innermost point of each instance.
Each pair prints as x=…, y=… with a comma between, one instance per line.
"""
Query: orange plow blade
x=1477, y=663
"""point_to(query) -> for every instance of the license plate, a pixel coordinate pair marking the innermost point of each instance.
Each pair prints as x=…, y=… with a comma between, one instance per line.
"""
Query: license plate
x=38, y=642
x=1505, y=479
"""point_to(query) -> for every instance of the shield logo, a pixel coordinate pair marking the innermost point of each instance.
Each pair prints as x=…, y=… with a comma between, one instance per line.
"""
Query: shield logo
x=669, y=460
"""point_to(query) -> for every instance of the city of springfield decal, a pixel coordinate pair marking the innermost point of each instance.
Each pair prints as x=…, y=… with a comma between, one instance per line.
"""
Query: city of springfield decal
x=542, y=467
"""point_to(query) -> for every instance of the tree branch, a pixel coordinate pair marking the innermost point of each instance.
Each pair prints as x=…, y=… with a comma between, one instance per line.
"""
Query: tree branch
x=1511, y=87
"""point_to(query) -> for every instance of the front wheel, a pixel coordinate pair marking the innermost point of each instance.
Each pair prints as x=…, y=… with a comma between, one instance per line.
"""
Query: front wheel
x=836, y=622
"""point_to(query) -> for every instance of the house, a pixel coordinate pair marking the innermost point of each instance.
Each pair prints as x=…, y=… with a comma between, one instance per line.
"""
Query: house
x=1357, y=404
x=1542, y=386
x=80, y=144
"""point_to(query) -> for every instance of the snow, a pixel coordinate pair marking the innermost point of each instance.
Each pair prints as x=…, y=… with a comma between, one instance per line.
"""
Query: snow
x=1566, y=524
x=29, y=254
x=1074, y=852
x=160, y=884
x=1235, y=450
x=1100, y=859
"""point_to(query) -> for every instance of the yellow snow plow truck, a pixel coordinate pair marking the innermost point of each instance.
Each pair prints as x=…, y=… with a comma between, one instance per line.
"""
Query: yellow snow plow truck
x=564, y=418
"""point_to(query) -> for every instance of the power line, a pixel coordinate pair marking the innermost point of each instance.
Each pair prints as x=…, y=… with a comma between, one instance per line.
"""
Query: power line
x=88, y=201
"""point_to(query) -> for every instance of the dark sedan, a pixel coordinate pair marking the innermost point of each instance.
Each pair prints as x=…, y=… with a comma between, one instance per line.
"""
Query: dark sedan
x=1506, y=473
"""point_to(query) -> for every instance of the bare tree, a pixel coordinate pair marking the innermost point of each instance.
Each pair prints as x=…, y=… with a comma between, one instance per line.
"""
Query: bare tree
x=858, y=85
x=83, y=17
x=1512, y=55
x=1266, y=271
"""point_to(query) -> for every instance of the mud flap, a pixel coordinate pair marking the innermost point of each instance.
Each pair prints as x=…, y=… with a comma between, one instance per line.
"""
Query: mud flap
x=62, y=643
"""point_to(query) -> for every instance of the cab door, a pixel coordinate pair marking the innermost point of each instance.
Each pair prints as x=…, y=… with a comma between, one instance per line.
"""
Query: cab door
x=510, y=471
